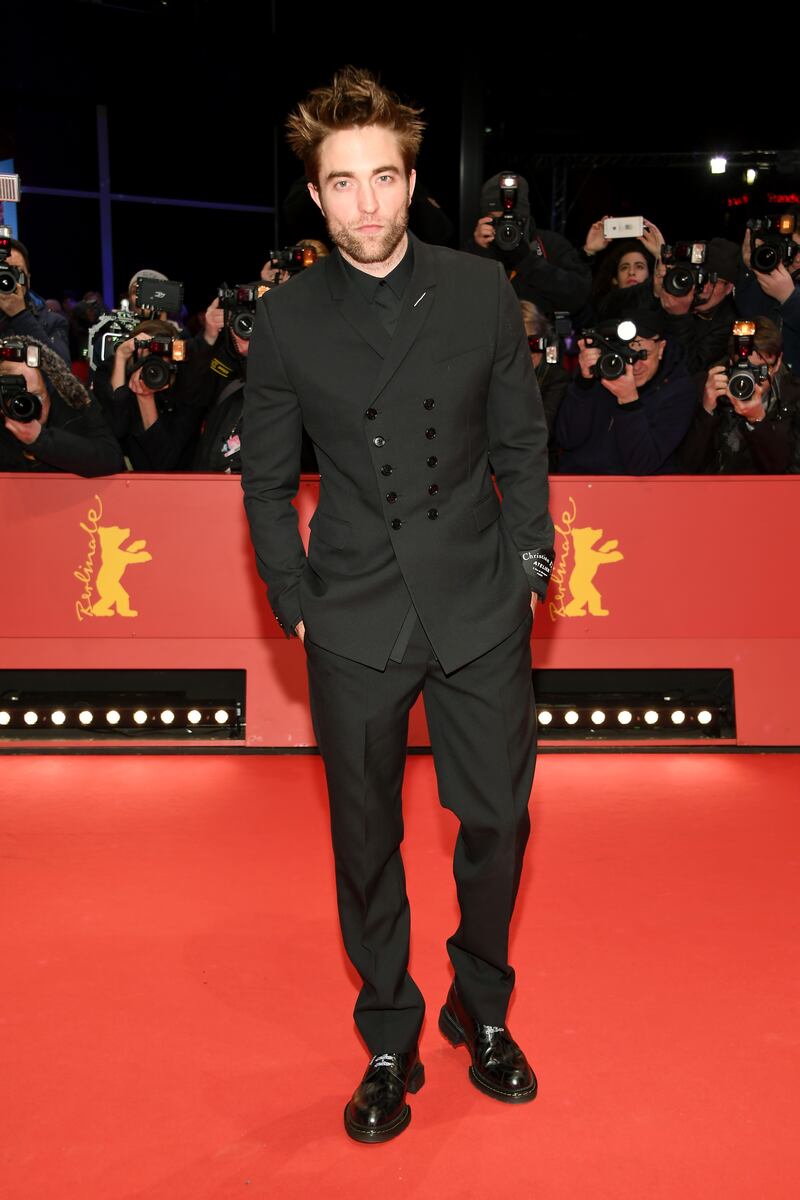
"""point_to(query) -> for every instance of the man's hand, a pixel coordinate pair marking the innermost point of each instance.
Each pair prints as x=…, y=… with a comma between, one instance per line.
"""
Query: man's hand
x=534, y=598
x=12, y=303
x=677, y=306
x=483, y=232
x=215, y=320
x=300, y=630
x=716, y=385
x=587, y=357
x=778, y=283
x=624, y=388
x=24, y=431
x=747, y=246
x=752, y=410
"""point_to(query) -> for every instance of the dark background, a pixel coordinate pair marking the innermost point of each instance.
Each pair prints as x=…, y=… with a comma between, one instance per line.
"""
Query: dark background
x=197, y=94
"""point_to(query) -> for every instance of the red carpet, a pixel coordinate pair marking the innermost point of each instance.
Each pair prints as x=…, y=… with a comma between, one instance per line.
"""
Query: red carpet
x=176, y=1006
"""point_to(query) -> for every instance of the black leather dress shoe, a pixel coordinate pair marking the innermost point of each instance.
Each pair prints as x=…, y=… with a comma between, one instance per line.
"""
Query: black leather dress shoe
x=499, y=1068
x=378, y=1109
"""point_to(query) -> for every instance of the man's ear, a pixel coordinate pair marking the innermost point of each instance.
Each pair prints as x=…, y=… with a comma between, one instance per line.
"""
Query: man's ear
x=412, y=180
x=313, y=192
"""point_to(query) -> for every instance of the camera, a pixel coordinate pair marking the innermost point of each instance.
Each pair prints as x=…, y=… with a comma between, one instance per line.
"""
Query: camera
x=743, y=375
x=10, y=277
x=158, y=295
x=16, y=402
x=239, y=305
x=509, y=228
x=157, y=359
x=775, y=242
x=293, y=258
x=615, y=352
x=685, y=268
x=548, y=346
x=107, y=333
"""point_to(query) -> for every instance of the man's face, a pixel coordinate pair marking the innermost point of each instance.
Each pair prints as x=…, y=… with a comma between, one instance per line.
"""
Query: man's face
x=364, y=192
x=645, y=368
x=712, y=294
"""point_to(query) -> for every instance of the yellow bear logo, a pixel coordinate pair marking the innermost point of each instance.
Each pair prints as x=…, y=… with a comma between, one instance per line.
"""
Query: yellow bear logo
x=116, y=559
x=587, y=561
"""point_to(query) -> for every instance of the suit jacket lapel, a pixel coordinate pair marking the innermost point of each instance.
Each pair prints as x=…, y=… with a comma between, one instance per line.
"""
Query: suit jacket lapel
x=417, y=305
x=354, y=309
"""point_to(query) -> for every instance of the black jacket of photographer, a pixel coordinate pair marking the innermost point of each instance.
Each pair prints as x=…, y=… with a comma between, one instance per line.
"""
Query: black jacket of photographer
x=36, y=321
x=599, y=436
x=723, y=443
x=74, y=439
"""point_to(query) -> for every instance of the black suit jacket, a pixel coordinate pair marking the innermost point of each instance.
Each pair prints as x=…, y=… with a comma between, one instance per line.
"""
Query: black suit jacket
x=403, y=429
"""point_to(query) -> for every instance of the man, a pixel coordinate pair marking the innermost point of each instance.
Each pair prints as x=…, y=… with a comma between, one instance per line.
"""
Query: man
x=631, y=425
x=24, y=314
x=701, y=321
x=543, y=267
x=408, y=366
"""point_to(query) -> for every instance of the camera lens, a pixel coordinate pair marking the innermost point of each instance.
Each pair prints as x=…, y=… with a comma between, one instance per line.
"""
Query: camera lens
x=242, y=324
x=155, y=374
x=742, y=385
x=8, y=281
x=508, y=235
x=611, y=365
x=679, y=281
x=765, y=258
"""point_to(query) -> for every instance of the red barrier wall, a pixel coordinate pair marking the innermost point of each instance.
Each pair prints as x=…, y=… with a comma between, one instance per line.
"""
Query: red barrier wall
x=657, y=572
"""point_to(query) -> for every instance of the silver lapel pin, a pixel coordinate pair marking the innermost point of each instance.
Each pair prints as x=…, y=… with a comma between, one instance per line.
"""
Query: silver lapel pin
x=422, y=297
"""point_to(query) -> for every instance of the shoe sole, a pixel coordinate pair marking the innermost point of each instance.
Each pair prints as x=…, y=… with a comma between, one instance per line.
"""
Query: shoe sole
x=449, y=1026
x=387, y=1132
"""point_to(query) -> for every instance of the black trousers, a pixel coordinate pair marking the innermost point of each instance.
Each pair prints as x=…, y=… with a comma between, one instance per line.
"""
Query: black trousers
x=482, y=726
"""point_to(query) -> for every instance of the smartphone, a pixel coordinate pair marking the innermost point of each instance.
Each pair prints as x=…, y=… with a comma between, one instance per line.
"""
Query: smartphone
x=619, y=227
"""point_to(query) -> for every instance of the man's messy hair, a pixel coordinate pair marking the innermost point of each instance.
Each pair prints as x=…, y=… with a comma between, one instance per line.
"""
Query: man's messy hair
x=354, y=99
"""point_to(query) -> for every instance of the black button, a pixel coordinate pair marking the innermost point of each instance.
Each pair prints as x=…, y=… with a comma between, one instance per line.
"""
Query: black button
x=433, y=489
x=429, y=403
x=433, y=514
x=396, y=523
x=371, y=414
x=386, y=469
x=430, y=433
x=379, y=441
x=391, y=497
x=433, y=461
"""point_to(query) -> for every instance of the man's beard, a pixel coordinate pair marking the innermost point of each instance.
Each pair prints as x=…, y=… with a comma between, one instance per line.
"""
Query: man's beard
x=363, y=249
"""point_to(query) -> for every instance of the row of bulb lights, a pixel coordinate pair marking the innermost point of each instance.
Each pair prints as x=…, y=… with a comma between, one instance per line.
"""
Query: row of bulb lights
x=625, y=717
x=112, y=717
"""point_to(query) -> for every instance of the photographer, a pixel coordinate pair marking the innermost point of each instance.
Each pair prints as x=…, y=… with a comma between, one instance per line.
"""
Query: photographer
x=66, y=430
x=700, y=320
x=754, y=435
x=774, y=294
x=631, y=424
x=22, y=312
x=618, y=264
x=220, y=393
x=543, y=267
x=155, y=426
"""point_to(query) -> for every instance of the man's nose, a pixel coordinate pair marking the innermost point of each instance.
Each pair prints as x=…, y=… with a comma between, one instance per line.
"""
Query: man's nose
x=367, y=198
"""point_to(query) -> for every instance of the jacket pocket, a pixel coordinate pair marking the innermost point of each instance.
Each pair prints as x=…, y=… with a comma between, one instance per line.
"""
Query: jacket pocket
x=449, y=351
x=486, y=512
x=330, y=530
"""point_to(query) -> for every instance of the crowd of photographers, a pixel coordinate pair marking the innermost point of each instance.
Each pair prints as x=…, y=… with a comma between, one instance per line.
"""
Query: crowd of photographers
x=651, y=357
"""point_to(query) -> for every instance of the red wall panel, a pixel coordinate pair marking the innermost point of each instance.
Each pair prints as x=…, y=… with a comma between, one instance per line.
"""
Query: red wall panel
x=158, y=571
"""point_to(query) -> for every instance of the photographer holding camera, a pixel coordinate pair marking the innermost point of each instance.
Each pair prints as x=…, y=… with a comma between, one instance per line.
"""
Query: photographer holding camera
x=694, y=293
x=769, y=285
x=49, y=421
x=745, y=423
x=22, y=312
x=629, y=407
x=543, y=266
x=146, y=404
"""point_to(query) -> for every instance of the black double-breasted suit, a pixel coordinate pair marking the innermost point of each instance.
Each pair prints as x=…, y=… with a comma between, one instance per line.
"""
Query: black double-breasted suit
x=405, y=428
